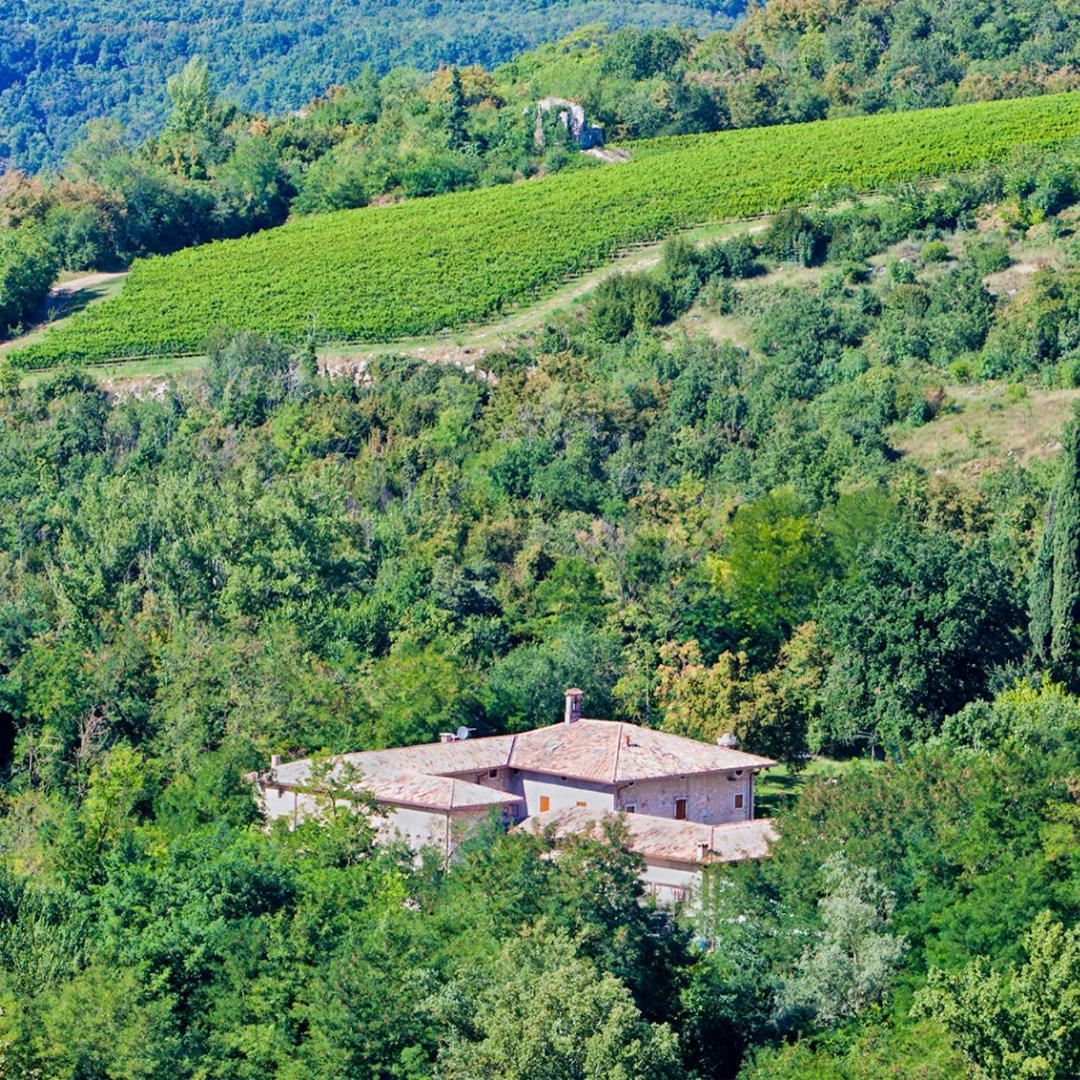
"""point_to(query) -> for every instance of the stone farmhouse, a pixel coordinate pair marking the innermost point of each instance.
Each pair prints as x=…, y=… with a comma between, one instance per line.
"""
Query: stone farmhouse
x=686, y=803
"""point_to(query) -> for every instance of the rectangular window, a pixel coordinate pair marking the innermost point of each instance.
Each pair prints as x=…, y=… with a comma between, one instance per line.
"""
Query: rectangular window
x=630, y=808
x=493, y=772
x=738, y=802
x=545, y=803
x=680, y=809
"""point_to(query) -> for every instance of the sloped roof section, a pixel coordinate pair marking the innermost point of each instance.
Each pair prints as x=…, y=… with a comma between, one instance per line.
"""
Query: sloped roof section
x=610, y=752
x=666, y=839
x=397, y=787
x=434, y=792
x=443, y=759
x=601, y=751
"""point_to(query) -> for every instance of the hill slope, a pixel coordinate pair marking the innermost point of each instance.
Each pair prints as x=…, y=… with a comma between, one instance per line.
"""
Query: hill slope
x=64, y=63
x=379, y=273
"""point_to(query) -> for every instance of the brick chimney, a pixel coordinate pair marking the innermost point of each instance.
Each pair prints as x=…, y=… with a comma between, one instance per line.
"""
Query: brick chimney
x=573, y=706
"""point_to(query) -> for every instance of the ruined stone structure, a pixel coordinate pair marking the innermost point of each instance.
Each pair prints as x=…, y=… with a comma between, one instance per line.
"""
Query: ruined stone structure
x=572, y=117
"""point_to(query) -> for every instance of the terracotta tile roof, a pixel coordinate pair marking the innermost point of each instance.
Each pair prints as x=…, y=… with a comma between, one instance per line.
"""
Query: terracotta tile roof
x=399, y=788
x=602, y=751
x=658, y=838
x=614, y=753
x=443, y=759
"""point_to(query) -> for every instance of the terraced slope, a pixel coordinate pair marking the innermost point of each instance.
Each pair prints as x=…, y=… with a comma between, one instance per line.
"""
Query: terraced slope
x=380, y=273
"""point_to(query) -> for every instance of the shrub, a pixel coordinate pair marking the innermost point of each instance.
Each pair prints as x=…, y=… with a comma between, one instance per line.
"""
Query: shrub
x=901, y=271
x=988, y=256
x=935, y=251
x=961, y=370
x=792, y=236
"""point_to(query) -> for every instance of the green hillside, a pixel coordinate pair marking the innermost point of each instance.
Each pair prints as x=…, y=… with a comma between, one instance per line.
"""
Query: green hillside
x=376, y=274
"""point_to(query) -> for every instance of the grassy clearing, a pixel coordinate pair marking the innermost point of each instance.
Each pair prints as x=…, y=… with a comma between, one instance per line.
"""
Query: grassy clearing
x=985, y=425
x=127, y=374
x=776, y=789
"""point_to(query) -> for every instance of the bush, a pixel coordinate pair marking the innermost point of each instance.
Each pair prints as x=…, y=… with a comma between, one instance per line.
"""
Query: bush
x=1066, y=375
x=627, y=302
x=988, y=256
x=794, y=237
x=734, y=258
x=901, y=271
x=961, y=370
x=9, y=378
x=934, y=252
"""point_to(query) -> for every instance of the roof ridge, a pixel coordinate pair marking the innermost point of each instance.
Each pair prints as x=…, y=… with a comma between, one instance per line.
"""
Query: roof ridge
x=618, y=747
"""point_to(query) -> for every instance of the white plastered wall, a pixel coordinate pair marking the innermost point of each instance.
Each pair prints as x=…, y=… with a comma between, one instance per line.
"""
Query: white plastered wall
x=501, y=781
x=562, y=793
x=671, y=883
x=414, y=825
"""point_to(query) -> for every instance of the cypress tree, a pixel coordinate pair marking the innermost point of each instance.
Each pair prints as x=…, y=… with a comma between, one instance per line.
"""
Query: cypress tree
x=458, y=114
x=1055, y=584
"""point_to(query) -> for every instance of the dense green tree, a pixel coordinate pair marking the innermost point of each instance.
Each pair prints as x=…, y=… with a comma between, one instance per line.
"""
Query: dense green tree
x=1025, y=1025
x=1055, y=579
x=28, y=264
x=547, y=1012
x=776, y=561
x=914, y=635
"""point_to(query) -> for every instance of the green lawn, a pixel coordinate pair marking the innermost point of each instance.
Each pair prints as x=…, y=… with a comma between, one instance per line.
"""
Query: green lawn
x=776, y=789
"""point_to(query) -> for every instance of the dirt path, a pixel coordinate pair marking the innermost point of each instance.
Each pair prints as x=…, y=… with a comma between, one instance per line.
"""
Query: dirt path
x=467, y=347
x=63, y=299
x=464, y=348
x=69, y=288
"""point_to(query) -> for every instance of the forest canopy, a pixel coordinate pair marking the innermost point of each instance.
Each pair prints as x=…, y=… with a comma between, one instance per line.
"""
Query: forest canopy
x=813, y=480
x=702, y=534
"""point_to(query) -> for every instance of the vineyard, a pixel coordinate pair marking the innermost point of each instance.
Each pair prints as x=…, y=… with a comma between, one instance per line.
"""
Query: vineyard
x=381, y=273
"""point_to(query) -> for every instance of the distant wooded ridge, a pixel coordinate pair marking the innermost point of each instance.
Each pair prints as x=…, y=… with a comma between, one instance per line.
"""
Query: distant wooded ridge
x=66, y=62
x=263, y=56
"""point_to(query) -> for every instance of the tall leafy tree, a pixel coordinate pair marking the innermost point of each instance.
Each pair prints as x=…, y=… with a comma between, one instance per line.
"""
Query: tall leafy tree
x=1024, y=1025
x=915, y=635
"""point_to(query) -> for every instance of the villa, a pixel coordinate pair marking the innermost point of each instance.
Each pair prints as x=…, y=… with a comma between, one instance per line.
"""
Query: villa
x=687, y=803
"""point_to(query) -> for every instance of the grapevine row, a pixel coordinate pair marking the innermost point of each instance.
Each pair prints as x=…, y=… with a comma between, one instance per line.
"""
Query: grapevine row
x=381, y=273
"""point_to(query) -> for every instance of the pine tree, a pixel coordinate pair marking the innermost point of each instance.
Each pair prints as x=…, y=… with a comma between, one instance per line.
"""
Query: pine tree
x=1055, y=584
